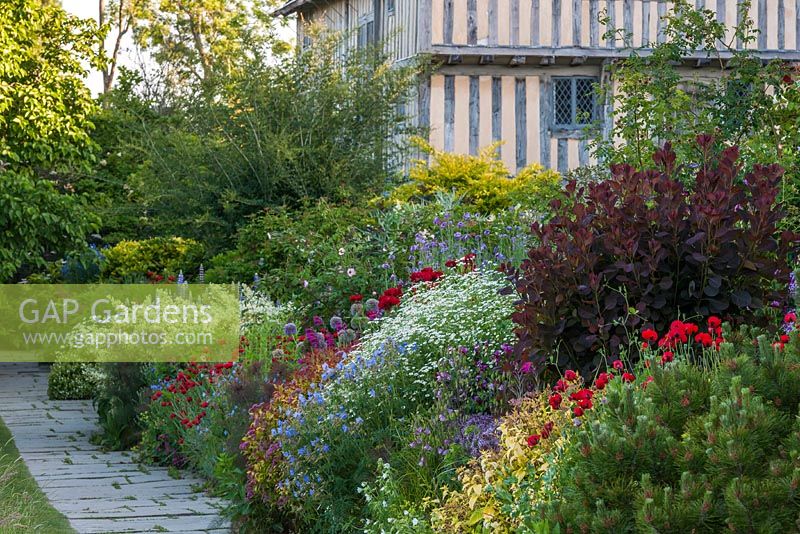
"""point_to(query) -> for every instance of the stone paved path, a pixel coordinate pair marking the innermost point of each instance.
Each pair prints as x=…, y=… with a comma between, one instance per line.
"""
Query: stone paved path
x=99, y=492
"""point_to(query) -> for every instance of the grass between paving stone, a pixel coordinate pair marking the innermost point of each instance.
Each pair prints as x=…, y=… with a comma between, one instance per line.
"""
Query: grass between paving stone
x=23, y=506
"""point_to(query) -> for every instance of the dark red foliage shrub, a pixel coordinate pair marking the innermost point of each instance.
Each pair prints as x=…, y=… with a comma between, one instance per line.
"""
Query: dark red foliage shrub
x=641, y=241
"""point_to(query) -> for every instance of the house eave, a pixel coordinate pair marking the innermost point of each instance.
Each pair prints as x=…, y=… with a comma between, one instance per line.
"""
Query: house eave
x=290, y=7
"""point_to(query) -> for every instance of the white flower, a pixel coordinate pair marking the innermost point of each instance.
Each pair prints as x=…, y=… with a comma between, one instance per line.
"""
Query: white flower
x=341, y=252
x=351, y=272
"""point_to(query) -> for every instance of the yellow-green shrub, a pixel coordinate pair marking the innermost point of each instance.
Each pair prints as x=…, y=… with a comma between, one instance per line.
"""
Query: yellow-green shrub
x=483, y=180
x=160, y=255
x=475, y=509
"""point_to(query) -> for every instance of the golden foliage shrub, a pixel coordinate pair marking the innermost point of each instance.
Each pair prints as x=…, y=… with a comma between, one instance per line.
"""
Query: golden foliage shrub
x=482, y=180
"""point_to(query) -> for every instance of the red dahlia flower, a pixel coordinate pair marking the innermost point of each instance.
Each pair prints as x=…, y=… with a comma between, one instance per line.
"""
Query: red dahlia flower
x=790, y=317
x=577, y=411
x=427, y=274
x=533, y=440
x=582, y=394
x=570, y=375
x=649, y=335
x=356, y=298
x=714, y=322
x=547, y=429
x=704, y=339
x=628, y=377
x=555, y=401
x=618, y=365
x=386, y=302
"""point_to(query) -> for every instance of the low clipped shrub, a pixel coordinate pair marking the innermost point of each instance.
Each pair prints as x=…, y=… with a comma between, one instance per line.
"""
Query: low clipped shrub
x=164, y=256
x=482, y=180
x=641, y=249
x=73, y=380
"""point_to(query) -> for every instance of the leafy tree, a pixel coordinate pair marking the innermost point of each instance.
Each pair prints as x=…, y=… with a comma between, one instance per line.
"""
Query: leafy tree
x=204, y=39
x=315, y=125
x=45, y=124
x=120, y=16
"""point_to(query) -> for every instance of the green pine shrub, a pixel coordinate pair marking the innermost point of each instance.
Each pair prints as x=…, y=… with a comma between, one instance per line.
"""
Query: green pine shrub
x=693, y=451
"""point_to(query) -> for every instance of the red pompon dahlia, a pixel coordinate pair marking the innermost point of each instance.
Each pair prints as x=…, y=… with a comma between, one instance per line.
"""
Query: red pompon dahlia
x=649, y=335
x=628, y=377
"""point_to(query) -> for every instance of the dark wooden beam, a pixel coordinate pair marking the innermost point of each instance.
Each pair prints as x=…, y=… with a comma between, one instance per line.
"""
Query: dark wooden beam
x=599, y=53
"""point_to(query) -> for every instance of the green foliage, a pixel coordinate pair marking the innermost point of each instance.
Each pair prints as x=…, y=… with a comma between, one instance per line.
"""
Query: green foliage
x=304, y=255
x=120, y=126
x=656, y=97
x=118, y=402
x=45, y=124
x=73, y=380
x=170, y=255
x=46, y=107
x=39, y=219
x=313, y=126
x=483, y=180
x=81, y=266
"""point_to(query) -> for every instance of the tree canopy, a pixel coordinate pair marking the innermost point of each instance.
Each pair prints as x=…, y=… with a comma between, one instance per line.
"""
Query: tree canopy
x=45, y=125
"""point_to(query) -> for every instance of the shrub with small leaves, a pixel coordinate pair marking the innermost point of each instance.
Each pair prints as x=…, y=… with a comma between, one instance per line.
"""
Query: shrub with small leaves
x=73, y=380
x=482, y=180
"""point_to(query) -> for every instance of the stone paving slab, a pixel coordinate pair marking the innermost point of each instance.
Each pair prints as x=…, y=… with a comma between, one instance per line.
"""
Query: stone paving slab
x=99, y=492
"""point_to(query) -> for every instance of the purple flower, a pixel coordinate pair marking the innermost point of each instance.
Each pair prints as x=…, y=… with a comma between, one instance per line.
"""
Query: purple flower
x=337, y=323
x=476, y=433
x=290, y=329
x=318, y=322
